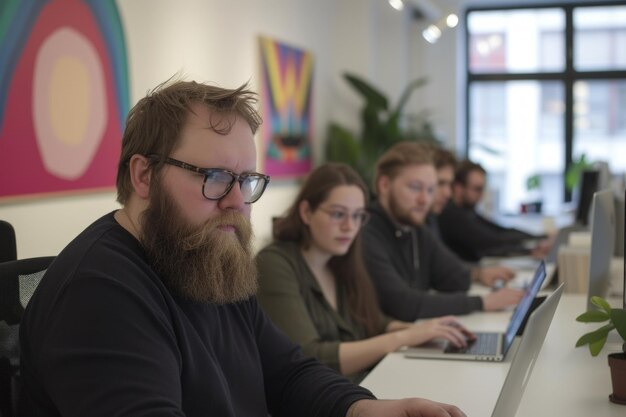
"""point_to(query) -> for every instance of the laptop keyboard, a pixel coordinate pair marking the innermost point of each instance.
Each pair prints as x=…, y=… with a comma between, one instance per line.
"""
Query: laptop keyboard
x=485, y=344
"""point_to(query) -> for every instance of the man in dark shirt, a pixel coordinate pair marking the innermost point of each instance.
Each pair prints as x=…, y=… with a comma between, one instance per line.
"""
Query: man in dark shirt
x=445, y=164
x=472, y=236
x=151, y=310
x=404, y=259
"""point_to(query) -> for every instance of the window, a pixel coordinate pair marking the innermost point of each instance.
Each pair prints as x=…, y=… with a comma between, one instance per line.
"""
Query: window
x=533, y=108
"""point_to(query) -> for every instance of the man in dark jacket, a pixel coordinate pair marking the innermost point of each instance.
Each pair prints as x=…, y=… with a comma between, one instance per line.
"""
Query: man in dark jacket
x=472, y=236
x=405, y=261
x=445, y=165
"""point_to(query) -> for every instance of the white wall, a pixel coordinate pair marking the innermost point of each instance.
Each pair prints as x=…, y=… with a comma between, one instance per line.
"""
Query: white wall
x=216, y=41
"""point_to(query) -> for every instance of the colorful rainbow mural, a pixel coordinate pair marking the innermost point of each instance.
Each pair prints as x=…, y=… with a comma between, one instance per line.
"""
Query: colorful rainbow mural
x=286, y=90
x=64, y=95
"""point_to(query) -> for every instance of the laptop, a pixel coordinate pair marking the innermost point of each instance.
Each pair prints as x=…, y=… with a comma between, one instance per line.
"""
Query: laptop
x=524, y=278
x=524, y=268
x=524, y=360
x=488, y=346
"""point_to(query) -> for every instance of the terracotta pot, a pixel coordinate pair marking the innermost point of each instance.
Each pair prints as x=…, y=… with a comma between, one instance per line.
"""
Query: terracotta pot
x=617, y=363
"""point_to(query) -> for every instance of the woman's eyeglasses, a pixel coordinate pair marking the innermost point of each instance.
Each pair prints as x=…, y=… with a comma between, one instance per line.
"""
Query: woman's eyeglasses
x=359, y=217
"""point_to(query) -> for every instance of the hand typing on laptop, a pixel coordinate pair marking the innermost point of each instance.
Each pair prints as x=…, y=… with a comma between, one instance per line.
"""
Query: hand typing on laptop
x=489, y=275
x=446, y=328
x=490, y=346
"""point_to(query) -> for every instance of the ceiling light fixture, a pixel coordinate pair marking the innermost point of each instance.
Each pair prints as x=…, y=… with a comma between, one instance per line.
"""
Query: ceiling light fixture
x=434, y=31
x=396, y=4
x=452, y=20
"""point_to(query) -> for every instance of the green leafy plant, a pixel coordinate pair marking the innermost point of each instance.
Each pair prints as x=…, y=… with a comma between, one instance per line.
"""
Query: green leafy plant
x=596, y=339
x=572, y=176
x=382, y=125
x=533, y=182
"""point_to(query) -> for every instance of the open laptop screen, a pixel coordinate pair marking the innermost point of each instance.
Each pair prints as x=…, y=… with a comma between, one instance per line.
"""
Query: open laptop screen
x=524, y=306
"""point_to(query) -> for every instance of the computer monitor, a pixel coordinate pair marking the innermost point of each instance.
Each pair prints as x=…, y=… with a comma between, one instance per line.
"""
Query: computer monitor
x=602, y=242
x=620, y=214
x=589, y=183
x=604, y=178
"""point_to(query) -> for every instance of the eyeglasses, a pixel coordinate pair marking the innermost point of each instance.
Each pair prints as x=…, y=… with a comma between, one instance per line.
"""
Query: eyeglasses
x=218, y=182
x=339, y=216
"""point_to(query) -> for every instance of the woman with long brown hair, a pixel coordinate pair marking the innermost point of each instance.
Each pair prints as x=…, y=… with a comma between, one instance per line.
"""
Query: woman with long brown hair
x=314, y=286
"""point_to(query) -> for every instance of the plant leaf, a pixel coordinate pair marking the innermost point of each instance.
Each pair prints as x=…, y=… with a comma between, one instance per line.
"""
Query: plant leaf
x=341, y=146
x=593, y=316
x=601, y=303
x=618, y=317
x=572, y=176
x=591, y=337
x=406, y=94
x=371, y=95
x=596, y=347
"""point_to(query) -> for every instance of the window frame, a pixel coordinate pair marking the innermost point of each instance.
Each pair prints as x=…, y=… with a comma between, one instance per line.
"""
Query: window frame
x=569, y=76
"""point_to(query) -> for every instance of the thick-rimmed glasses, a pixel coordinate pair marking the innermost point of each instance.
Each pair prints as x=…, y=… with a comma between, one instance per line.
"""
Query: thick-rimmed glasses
x=218, y=182
x=337, y=215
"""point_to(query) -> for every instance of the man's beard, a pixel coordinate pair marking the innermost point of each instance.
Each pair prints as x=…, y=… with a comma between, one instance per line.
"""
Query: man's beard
x=467, y=204
x=401, y=215
x=200, y=263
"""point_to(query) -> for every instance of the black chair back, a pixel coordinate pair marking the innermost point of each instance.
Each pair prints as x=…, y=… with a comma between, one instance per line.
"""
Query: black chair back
x=8, y=246
x=18, y=280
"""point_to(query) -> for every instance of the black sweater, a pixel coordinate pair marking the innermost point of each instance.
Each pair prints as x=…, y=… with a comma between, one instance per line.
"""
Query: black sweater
x=405, y=265
x=102, y=336
x=472, y=236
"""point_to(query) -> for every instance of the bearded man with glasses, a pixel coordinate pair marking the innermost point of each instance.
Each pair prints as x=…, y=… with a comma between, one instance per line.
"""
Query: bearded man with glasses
x=151, y=310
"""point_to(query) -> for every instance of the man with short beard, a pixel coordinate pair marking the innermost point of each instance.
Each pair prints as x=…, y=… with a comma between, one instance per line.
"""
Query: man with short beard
x=459, y=219
x=404, y=259
x=151, y=310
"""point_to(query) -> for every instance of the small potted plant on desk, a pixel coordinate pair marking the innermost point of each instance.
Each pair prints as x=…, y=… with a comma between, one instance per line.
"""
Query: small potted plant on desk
x=616, y=318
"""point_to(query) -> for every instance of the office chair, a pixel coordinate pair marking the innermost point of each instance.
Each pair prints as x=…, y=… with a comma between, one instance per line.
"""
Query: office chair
x=8, y=246
x=18, y=280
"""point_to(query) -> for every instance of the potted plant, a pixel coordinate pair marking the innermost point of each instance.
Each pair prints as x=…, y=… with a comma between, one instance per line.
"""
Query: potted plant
x=616, y=318
x=534, y=203
x=382, y=125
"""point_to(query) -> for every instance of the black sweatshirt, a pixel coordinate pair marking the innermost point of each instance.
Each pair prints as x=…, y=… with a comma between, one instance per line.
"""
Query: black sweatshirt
x=407, y=264
x=472, y=236
x=102, y=336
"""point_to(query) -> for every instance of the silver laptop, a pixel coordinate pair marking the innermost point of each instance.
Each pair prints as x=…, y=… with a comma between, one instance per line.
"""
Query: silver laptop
x=524, y=360
x=488, y=346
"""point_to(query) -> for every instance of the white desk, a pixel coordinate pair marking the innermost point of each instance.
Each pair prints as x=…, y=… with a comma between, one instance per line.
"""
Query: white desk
x=566, y=381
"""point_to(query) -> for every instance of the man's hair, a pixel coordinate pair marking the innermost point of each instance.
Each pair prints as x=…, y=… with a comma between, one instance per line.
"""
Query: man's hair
x=463, y=170
x=444, y=158
x=401, y=155
x=350, y=268
x=154, y=124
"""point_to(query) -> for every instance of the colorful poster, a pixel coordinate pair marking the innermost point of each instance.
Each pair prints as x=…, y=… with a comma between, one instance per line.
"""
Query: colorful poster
x=286, y=101
x=63, y=96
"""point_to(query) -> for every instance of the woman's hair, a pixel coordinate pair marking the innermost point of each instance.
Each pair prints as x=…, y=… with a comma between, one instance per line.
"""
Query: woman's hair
x=362, y=301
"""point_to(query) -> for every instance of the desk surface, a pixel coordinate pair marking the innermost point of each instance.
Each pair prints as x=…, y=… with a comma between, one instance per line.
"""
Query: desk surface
x=566, y=381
